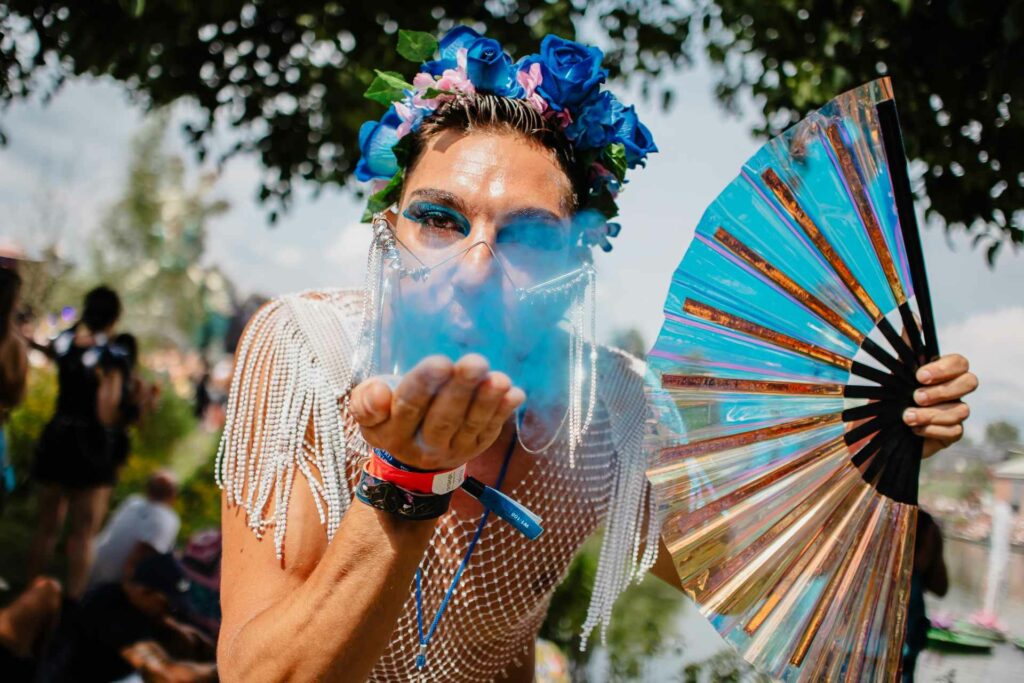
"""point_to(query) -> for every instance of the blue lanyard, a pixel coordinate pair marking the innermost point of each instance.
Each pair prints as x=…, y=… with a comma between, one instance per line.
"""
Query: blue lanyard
x=421, y=657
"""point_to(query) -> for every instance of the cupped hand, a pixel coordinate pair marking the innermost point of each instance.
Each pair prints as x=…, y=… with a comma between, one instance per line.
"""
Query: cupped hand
x=940, y=413
x=441, y=414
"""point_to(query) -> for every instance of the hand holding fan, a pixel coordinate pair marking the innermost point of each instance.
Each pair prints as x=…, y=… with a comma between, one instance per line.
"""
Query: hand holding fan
x=786, y=478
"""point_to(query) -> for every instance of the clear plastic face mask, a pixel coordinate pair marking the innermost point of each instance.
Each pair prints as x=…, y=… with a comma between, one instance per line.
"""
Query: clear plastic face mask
x=510, y=299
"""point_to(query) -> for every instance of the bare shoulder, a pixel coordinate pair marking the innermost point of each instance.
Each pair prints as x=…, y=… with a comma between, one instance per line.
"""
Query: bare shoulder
x=286, y=424
x=283, y=455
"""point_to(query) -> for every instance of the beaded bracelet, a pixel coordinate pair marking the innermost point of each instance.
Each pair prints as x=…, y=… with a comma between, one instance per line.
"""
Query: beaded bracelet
x=393, y=499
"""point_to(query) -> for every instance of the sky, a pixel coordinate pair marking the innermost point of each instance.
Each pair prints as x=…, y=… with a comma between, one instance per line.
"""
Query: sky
x=67, y=161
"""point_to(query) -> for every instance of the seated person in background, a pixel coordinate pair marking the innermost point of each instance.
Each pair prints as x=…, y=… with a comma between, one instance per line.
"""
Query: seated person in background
x=201, y=562
x=96, y=643
x=148, y=519
x=24, y=627
x=157, y=666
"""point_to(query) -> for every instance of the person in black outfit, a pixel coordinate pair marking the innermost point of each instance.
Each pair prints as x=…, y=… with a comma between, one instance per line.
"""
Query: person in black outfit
x=120, y=357
x=74, y=463
x=929, y=574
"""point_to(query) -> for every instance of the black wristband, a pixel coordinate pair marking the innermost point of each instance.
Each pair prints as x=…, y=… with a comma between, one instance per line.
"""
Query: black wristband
x=393, y=499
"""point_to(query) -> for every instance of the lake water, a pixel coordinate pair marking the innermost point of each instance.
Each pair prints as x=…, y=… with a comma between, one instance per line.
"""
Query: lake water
x=967, y=565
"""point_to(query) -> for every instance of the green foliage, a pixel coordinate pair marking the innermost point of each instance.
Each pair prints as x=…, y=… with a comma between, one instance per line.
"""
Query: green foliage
x=416, y=46
x=199, y=499
x=153, y=441
x=641, y=622
x=289, y=76
x=386, y=87
x=615, y=159
x=631, y=340
x=956, y=74
x=1002, y=433
x=151, y=241
x=28, y=419
x=386, y=197
x=723, y=667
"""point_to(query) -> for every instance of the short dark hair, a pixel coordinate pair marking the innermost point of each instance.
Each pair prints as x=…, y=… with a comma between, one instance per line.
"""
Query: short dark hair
x=101, y=309
x=488, y=112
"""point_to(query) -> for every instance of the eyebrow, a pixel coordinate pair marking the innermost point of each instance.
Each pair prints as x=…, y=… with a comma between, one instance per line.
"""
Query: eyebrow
x=441, y=197
x=531, y=214
x=455, y=202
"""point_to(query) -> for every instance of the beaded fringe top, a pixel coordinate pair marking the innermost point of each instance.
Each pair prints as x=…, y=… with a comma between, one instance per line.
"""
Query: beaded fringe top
x=288, y=415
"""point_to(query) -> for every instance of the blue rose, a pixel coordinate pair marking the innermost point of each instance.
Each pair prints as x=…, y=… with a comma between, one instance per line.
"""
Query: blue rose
x=490, y=68
x=634, y=136
x=595, y=124
x=571, y=72
x=458, y=37
x=376, y=138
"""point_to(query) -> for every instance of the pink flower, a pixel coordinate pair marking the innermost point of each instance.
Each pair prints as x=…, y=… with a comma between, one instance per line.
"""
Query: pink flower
x=409, y=116
x=423, y=80
x=457, y=80
x=421, y=83
x=530, y=80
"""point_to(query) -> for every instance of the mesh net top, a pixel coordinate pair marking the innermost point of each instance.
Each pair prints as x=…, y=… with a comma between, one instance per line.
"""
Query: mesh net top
x=501, y=601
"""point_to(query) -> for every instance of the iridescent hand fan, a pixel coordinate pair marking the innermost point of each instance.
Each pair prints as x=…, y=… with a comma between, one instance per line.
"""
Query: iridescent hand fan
x=786, y=479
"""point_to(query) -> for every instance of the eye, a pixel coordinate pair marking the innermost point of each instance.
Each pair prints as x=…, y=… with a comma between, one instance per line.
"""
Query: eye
x=437, y=219
x=534, y=234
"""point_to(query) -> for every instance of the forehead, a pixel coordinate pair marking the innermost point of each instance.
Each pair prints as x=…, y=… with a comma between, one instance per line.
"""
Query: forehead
x=492, y=172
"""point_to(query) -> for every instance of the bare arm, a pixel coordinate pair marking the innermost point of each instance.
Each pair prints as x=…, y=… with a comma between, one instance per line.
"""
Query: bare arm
x=328, y=610
x=334, y=622
x=108, y=396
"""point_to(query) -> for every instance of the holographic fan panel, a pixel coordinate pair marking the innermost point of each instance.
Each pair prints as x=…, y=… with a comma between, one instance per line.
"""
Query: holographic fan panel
x=794, y=326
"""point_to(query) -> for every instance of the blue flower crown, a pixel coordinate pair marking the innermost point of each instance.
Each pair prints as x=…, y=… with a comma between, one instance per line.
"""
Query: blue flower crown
x=562, y=83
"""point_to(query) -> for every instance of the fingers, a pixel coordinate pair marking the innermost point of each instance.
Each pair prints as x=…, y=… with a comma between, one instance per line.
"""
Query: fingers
x=508, y=405
x=414, y=394
x=485, y=402
x=451, y=405
x=950, y=390
x=945, y=368
x=945, y=414
x=371, y=403
x=945, y=435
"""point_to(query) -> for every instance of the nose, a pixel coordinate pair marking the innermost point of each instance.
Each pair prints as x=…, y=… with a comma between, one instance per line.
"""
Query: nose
x=478, y=267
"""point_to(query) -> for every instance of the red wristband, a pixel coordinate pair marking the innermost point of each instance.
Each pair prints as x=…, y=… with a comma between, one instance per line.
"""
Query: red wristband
x=438, y=483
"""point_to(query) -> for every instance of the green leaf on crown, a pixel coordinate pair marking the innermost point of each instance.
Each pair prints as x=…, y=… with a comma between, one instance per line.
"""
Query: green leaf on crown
x=416, y=46
x=385, y=198
x=615, y=160
x=401, y=150
x=387, y=87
